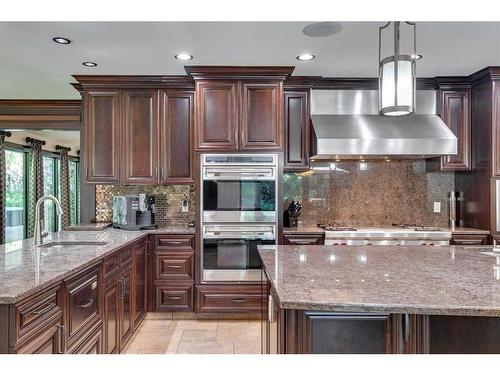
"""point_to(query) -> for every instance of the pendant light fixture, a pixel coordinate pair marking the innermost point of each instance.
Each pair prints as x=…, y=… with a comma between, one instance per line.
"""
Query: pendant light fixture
x=397, y=73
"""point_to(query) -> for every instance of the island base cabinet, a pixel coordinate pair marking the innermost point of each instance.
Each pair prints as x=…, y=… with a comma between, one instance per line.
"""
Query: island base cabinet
x=463, y=335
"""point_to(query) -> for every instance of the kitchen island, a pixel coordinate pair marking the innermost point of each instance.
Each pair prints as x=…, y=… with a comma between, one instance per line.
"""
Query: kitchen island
x=381, y=299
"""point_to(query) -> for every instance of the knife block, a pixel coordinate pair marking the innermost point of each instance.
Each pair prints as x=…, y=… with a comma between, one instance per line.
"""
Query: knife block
x=288, y=221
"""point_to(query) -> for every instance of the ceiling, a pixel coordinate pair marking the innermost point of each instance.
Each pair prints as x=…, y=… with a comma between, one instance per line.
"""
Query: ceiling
x=34, y=67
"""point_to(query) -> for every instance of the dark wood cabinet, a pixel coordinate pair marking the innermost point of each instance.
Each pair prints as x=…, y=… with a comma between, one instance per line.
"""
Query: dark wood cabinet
x=125, y=306
x=140, y=136
x=176, y=133
x=303, y=239
x=111, y=318
x=216, y=115
x=48, y=341
x=261, y=115
x=102, y=138
x=339, y=333
x=140, y=269
x=93, y=344
x=456, y=114
x=296, y=130
x=469, y=239
x=82, y=311
x=228, y=298
x=173, y=272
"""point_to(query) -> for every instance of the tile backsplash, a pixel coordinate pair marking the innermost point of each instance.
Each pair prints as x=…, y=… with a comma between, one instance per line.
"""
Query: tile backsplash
x=168, y=201
x=370, y=193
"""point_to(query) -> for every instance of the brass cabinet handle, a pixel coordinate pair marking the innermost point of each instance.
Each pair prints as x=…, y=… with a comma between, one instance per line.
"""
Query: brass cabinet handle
x=175, y=298
x=44, y=310
x=86, y=304
x=170, y=266
x=173, y=242
x=407, y=327
x=239, y=300
x=148, y=251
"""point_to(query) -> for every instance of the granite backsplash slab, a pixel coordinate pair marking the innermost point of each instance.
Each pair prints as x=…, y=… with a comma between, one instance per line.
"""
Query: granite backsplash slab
x=370, y=193
x=168, y=199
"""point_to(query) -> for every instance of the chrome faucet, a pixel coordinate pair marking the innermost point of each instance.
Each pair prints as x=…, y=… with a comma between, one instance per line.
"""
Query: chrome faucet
x=37, y=234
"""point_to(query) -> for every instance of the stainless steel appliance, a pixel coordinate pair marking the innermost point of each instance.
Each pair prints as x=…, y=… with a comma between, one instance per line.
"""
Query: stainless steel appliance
x=238, y=212
x=346, y=125
x=395, y=235
x=134, y=212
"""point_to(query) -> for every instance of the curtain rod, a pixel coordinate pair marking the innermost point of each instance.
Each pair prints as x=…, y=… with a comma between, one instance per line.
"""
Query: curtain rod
x=59, y=147
x=33, y=140
x=6, y=133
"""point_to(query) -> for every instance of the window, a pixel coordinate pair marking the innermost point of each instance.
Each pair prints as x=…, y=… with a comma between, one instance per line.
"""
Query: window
x=74, y=184
x=16, y=192
x=15, y=195
x=49, y=187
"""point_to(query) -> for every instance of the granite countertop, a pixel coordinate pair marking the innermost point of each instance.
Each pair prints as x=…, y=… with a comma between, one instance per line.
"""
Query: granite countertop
x=88, y=226
x=25, y=269
x=446, y=280
x=315, y=229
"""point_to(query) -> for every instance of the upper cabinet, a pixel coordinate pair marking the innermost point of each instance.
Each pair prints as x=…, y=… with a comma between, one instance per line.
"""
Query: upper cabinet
x=138, y=129
x=296, y=152
x=455, y=112
x=239, y=108
x=141, y=134
x=102, y=125
x=176, y=133
x=261, y=115
x=216, y=115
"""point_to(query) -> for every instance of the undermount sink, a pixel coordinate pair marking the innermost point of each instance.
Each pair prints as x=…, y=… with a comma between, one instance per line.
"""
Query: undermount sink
x=73, y=243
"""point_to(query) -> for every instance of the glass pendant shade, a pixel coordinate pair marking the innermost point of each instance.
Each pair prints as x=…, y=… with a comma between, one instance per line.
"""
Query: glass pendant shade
x=396, y=82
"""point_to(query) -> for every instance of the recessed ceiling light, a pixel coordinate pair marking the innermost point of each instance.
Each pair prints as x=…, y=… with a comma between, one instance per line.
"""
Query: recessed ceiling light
x=184, y=56
x=416, y=57
x=61, y=40
x=89, y=64
x=322, y=29
x=306, y=57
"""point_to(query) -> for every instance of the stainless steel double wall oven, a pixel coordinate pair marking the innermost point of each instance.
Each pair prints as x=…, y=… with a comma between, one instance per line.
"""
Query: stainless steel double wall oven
x=238, y=212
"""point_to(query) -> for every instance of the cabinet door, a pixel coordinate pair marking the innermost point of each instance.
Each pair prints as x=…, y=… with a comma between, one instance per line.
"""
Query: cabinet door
x=126, y=316
x=139, y=283
x=111, y=318
x=455, y=112
x=176, y=131
x=261, y=116
x=296, y=153
x=141, y=135
x=50, y=341
x=338, y=333
x=216, y=109
x=101, y=143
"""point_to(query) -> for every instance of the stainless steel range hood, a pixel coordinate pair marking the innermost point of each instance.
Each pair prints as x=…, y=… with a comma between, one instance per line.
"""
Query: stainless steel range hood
x=346, y=126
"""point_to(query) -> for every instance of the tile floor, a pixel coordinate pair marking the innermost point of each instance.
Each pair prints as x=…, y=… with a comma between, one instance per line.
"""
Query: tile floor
x=167, y=336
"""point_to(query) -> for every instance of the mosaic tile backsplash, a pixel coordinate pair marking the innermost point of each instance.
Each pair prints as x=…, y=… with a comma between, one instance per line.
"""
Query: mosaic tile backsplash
x=168, y=201
x=370, y=193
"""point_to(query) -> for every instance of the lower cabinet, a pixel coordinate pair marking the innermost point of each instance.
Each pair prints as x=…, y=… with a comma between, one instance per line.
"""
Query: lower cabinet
x=174, y=297
x=82, y=310
x=228, y=298
x=111, y=318
x=125, y=307
x=303, y=239
x=49, y=340
x=93, y=344
x=469, y=239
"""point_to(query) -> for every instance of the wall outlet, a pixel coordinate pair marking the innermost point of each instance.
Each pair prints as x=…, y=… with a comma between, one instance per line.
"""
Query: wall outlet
x=437, y=207
x=185, y=206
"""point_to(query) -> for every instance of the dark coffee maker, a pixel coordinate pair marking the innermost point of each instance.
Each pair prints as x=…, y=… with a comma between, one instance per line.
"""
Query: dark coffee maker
x=134, y=212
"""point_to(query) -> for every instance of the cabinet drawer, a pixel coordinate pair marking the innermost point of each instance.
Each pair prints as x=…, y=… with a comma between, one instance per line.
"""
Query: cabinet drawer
x=174, y=297
x=174, y=243
x=125, y=256
x=34, y=312
x=469, y=239
x=228, y=298
x=82, y=304
x=303, y=239
x=111, y=266
x=92, y=344
x=175, y=266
